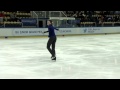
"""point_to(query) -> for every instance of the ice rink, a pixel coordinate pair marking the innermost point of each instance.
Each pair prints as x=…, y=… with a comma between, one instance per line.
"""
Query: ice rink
x=78, y=57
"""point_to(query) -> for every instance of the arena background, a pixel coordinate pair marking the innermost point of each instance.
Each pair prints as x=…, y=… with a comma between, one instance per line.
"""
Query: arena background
x=33, y=23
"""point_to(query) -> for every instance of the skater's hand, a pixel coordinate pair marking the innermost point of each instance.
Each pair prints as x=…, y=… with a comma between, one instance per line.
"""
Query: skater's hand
x=45, y=31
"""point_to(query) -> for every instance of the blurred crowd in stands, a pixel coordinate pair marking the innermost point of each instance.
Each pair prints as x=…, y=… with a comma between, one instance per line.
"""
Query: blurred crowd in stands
x=95, y=16
x=99, y=17
x=85, y=18
x=13, y=17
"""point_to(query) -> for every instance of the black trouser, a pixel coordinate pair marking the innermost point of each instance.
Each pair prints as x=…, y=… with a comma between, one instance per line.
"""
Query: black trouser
x=52, y=41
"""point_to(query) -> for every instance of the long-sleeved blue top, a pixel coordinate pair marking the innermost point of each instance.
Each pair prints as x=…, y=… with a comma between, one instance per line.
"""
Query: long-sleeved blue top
x=51, y=31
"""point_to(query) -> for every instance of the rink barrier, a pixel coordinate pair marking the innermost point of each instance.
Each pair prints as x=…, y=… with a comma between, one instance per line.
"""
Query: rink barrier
x=62, y=31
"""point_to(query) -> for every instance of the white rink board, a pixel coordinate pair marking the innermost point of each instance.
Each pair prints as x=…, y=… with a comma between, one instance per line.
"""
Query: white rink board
x=28, y=32
x=6, y=31
x=62, y=31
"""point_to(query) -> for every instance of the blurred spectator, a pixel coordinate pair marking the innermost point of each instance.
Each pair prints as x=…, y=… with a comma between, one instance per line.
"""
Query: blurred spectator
x=85, y=19
x=109, y=19
x=90, y=16
x=100, y=20
x=1, y=16
x=105, y=18
x=116, y=18
x=13, y=17
x=83, y=15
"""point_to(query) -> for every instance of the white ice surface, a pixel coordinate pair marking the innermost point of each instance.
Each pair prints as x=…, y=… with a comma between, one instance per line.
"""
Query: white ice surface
x=78, y=57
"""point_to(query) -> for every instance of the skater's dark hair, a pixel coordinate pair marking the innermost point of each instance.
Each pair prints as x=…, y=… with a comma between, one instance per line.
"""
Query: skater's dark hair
x=50, y=21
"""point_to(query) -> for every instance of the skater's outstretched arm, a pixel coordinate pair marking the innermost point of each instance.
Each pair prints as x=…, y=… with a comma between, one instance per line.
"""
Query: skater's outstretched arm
x=46, y=31
x=56, y=29
x=49, y=28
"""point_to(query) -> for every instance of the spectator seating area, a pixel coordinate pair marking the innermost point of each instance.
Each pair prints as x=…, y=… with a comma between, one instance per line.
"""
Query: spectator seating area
x=13, y=18
x=86, y=18
x=96, y=18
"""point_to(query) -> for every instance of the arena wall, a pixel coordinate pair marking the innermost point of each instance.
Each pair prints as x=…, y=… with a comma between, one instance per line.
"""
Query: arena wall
x=63, y=31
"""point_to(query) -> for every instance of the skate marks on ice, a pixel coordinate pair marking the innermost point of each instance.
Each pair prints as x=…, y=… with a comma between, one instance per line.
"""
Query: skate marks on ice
x=77, y=57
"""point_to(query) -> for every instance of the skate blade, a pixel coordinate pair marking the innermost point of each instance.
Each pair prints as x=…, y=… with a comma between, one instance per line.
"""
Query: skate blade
x=54, y=60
